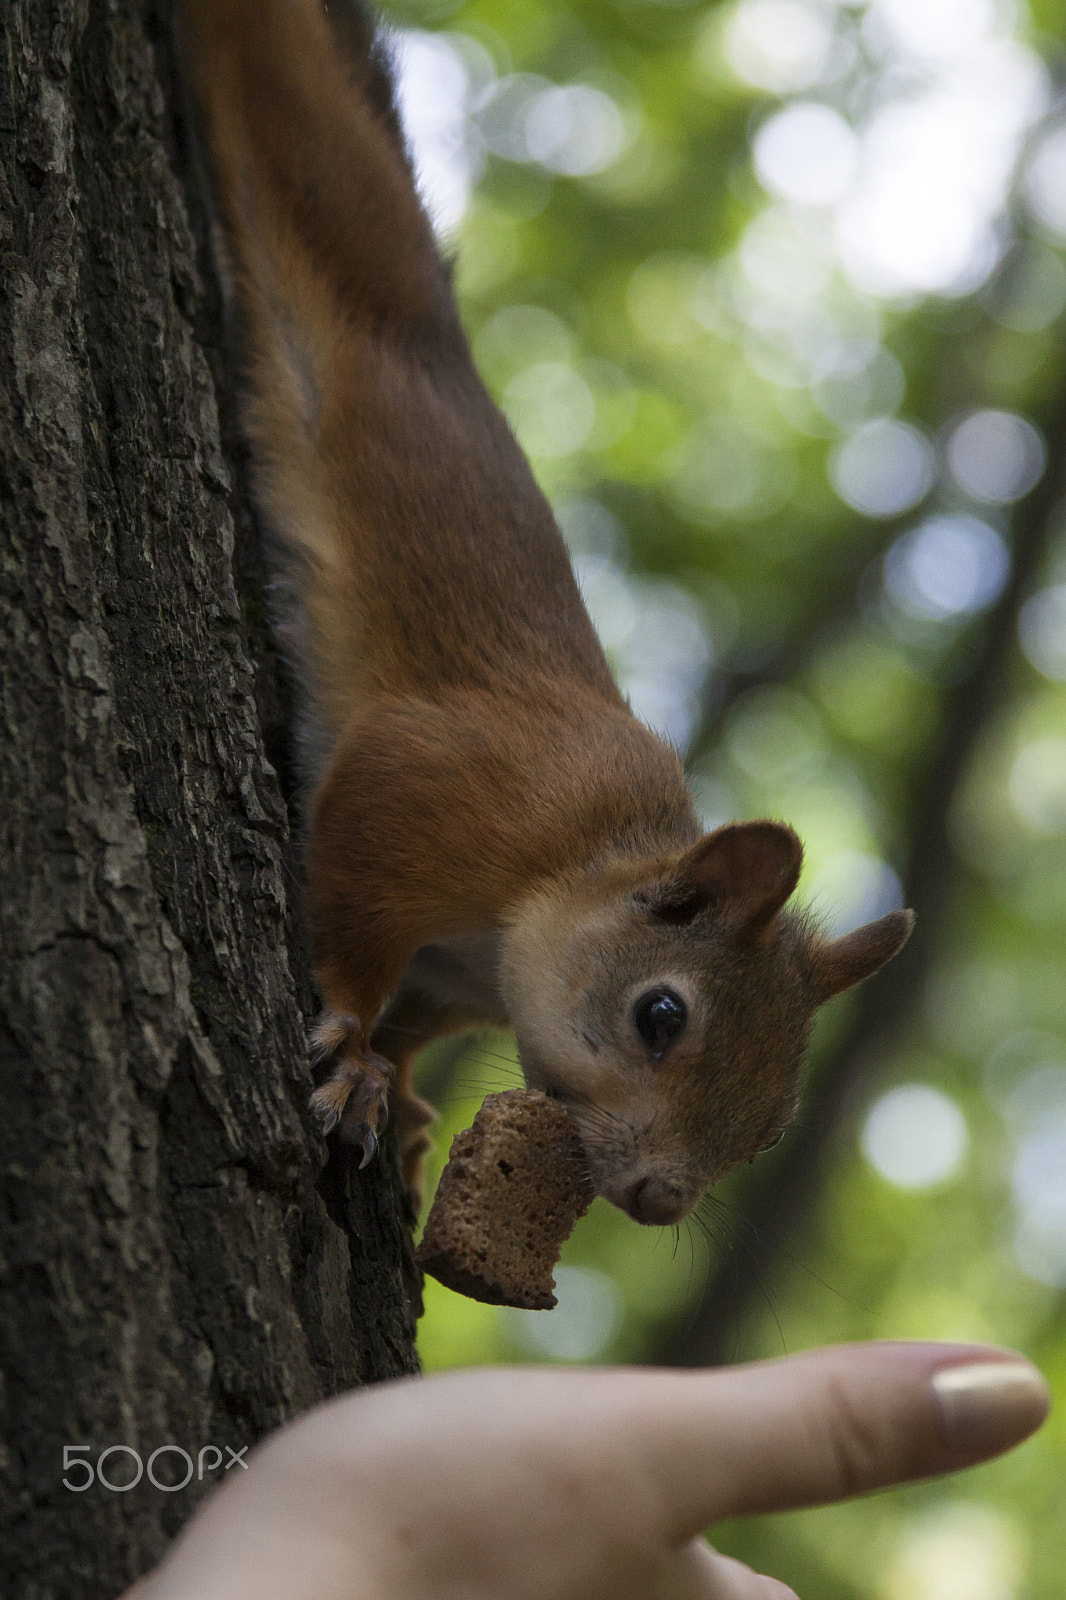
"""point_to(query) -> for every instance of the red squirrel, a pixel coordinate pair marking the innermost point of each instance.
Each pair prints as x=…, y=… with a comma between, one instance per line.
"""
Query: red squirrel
x=494, y=837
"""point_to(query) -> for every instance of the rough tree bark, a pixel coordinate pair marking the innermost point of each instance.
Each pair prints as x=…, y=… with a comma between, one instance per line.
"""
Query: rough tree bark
x=175, y=1267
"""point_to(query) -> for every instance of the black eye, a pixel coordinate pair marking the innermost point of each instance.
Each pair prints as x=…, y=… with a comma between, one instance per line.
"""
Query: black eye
x=773, y=1144
x=659, y=1016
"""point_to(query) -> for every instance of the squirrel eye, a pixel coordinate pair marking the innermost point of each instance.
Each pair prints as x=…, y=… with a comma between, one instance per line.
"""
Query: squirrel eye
x=774, y=1142
x=659, y=1016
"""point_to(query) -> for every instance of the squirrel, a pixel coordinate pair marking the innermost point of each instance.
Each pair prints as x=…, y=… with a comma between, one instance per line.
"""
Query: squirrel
x=494, y=839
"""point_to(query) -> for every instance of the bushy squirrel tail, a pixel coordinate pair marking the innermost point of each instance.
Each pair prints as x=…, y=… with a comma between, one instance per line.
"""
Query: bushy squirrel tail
x=310, y=161
x=330, y=253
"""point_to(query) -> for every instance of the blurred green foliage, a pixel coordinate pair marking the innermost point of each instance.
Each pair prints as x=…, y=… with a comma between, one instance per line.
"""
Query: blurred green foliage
x=696, y=357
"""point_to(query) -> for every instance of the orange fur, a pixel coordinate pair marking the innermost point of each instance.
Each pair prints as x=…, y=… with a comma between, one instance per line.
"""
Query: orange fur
x=494, y=835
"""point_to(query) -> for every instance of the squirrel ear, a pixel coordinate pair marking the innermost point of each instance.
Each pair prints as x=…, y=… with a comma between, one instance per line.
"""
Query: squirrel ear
x=747, y=869
x=857, y=955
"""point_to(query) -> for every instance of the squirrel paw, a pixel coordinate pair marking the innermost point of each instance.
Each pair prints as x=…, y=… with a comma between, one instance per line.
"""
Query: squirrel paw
x=355, y=1096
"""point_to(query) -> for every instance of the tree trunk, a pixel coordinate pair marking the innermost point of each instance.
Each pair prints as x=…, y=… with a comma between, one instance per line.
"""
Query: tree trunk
x=176, y=1268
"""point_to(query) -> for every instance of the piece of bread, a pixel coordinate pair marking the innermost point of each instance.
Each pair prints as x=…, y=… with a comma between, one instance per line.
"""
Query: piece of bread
x=513, y=1188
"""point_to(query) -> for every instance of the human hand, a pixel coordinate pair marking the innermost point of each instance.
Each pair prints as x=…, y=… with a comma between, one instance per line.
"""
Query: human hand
x=584, y=1484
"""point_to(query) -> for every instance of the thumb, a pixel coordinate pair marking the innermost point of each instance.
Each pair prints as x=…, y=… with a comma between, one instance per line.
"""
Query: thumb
x=832, y=1423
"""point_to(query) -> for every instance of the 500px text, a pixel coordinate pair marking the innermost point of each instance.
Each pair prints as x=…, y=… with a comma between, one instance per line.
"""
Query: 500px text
x=84, y=1473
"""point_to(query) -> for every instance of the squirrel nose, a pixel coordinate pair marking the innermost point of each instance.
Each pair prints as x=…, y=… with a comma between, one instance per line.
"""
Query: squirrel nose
x=652, y=1201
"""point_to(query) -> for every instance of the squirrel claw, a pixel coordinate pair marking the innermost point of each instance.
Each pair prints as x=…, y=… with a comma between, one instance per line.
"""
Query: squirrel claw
x=327, y=1104
x=328, y=1120
x=365, y=1139
x=326, y=1108
x=355, y=1097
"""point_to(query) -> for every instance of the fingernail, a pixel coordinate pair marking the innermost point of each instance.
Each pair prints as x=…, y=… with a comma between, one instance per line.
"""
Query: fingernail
x=988, y=1405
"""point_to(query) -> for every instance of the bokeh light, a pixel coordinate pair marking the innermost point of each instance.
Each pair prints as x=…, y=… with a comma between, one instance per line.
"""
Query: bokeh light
x=726, y=468
x=935, y=165
x=884, y=468
x=440, y=78
x=947, y=567
x=574, y=129
x=780, y=45
x=1046, y=180
x=850, y=888
x=1039, y=1184
x=583, y=1323
x=915, y=1136
x=1038, y=784
x=550, y=407
x=995, y=456
x=962, y=1551
x=806, y=153
x=654, y=634
x=1031, y=291
x=1042, y=629
x=865, y=382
